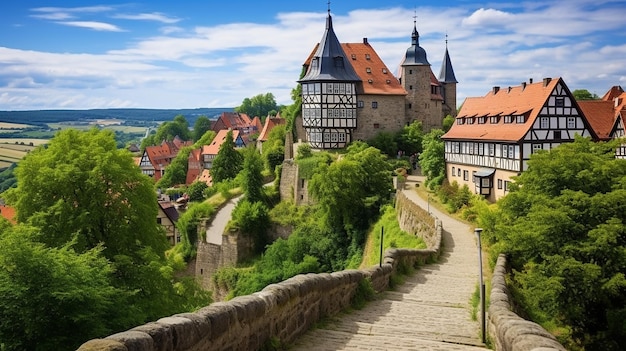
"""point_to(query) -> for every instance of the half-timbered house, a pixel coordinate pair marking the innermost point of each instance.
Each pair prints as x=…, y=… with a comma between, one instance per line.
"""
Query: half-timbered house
x=607, y=115
x=494, y=135
x=348, y=93
x=210, y=151
x=155, y=158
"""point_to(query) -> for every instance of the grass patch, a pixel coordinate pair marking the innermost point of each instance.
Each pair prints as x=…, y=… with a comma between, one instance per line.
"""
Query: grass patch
x=393, y=237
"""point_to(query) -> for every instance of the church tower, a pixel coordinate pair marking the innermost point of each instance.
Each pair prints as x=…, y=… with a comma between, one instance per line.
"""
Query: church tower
x=423, y=99
x=448, y=85
x=329, y=100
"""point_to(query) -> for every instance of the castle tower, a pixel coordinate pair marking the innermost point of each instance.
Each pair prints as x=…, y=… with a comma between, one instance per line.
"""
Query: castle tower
x=423, y=99
x=448, y=85
x=329, y=101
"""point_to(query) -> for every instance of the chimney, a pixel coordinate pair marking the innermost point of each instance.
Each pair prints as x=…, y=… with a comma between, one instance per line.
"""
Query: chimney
x=546, y=81
x=365, y=41
x=496, y=89
x=524, y=85
x=530, y=80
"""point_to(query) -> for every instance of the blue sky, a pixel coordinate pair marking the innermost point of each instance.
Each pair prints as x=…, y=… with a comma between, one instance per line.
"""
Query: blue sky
x=189, y=54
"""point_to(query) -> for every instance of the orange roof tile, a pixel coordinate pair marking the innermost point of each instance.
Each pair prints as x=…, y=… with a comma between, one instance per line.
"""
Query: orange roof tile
x=614, y=92
x=270, y=123
x=369, y=66
x=600, y=115
x=256, y=123
x=376, y=77
x=205, y=177
x=526, y=99
x=219, y=139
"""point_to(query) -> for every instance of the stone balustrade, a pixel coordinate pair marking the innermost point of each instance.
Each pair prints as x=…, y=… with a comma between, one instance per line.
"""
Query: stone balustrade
x=507, y=330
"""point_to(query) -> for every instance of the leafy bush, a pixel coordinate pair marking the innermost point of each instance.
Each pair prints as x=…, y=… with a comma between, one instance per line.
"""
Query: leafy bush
x=187, y=225
x=252, y=218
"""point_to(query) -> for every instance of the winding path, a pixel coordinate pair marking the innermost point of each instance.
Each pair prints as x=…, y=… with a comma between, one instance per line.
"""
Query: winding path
x=430, y=311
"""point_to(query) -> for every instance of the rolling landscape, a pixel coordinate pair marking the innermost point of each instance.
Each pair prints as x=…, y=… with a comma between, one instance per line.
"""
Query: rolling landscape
x=22, y=131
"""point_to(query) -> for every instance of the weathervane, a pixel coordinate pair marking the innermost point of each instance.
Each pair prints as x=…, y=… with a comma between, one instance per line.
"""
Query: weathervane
x=329, y=7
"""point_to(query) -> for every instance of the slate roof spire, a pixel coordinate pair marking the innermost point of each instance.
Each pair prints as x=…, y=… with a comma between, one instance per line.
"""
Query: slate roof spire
x=329, y=61
x=446, y=75
x=415, y=55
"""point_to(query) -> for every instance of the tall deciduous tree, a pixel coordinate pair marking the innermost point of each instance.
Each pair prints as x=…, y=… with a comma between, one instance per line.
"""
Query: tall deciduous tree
x=228, y=161
x=563, y=226
x=201, y=126
x=432, y=159
x=252, y=175
x=81, y=193
x=260, y=105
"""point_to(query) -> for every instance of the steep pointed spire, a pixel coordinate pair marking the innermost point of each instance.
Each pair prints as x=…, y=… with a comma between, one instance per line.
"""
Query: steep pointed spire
x=329, y=61
x=415, y=55
x=446, y=75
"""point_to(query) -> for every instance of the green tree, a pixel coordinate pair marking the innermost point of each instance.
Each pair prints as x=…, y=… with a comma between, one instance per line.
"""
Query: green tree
x=200, y=127
x=54, y=298
x=386, y=143
x=410, y=138
x=176, y=171
x=584, y=94
x=448, y=122
x=259, y=105
x=82, y=192
x=228, y=162
x=196, y=191
x=168, y=130
x=563, y=228
x=206, y=139
x=432, y=159
x=252, y=175
x=274, y=147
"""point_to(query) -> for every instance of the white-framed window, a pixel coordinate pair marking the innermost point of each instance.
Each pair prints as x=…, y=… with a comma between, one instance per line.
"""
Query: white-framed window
x=520, y=119
x=571, y=122
x=537, y=147
x=508, y=119
x=544, y=123
x=505, y=151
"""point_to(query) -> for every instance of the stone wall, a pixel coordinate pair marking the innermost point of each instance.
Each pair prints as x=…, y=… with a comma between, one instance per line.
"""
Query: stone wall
x=416, y=220
x=280, y=312
x=507, y=330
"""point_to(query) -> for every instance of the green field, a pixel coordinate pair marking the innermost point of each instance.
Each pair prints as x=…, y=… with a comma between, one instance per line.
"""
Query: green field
x=12, y=153
x=82, y=126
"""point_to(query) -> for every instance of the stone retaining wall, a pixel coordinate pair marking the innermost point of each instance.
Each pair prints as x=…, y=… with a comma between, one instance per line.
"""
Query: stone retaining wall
x=507, y=330
x=280, y=312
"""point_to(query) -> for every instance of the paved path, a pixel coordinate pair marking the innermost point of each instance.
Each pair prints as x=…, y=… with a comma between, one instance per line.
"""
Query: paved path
x=216, y=229
x=430, y=311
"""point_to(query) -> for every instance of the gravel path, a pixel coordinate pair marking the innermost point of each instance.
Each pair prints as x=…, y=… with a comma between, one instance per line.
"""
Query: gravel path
x=430, y=311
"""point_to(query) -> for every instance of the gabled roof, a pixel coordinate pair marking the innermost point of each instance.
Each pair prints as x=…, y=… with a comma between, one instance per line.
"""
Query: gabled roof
x=256, y=123
x=270, y=123
x=214, y=147
x=194, y=165
x=526, y=99
x=169, y=210
x=234, y=120
x=600, y=115
x=603, y=114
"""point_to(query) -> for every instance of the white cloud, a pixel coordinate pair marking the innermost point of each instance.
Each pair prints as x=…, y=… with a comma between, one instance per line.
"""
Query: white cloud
x=100, y=26
x=218, y=66
x=155, y=16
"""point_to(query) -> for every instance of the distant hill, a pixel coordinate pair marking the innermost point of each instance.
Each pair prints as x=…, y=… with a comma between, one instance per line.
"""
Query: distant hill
x=137, y=114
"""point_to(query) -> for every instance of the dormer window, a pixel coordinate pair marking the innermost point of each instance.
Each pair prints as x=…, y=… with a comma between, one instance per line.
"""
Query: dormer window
x=470, y=120
x=384, y=70
x=508, y=119
x=520, y=119
x=460, y=120
x=368, y=70
x=482, y=120
x=367, y=57
x=338, y=61
x=354, y=56
x=370, y=81
x=494, y=119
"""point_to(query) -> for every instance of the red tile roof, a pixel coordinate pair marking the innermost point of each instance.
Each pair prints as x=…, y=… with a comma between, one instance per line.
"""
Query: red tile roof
x=376, y=78
x=603, y=114
x=600, y=115
x=270, y=123
x=256, y=124
x=194, y=165
x=526, y=99
x=219, y=139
